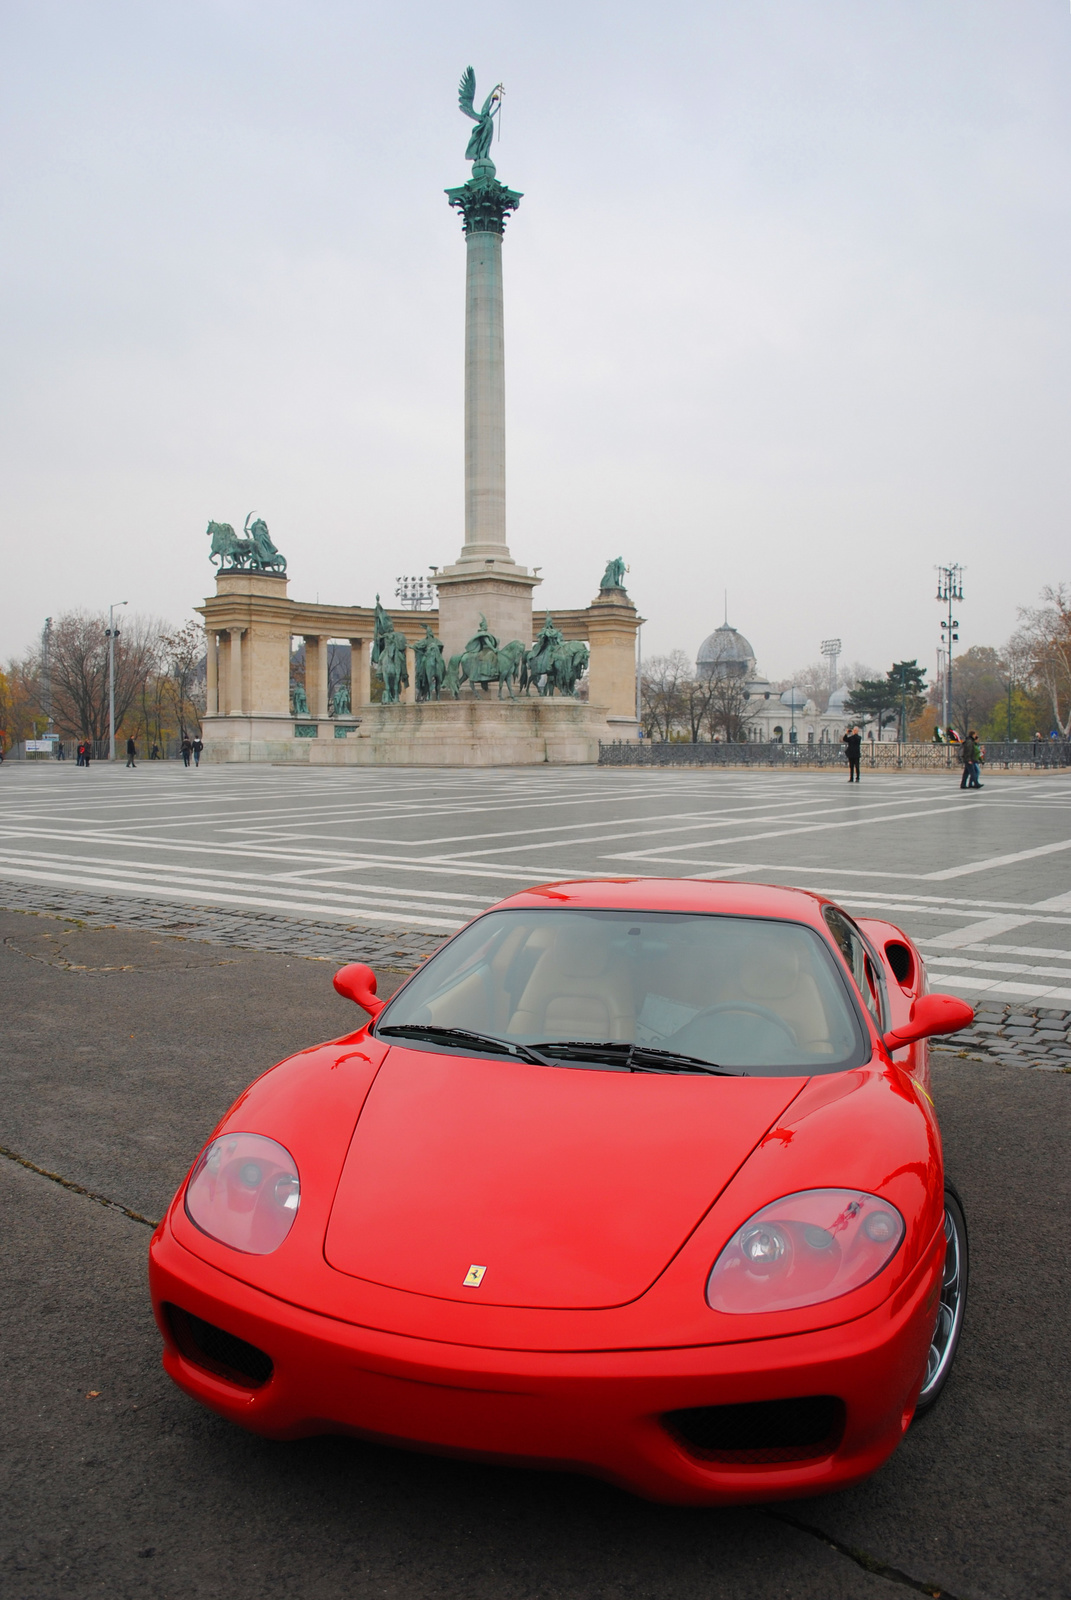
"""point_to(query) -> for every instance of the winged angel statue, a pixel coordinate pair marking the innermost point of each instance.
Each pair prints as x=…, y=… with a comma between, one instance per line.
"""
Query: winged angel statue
x=483, y=132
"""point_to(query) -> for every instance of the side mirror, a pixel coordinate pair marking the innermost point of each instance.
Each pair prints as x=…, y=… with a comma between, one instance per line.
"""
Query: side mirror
x=930, y=1014
x=358, y=983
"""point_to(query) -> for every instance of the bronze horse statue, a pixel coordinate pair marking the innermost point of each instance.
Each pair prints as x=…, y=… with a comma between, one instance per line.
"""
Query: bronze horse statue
x=486, y=666
x=388, y=654
x=555, y=665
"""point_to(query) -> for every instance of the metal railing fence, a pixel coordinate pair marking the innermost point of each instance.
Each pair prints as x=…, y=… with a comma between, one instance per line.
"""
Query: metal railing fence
x=886, y=754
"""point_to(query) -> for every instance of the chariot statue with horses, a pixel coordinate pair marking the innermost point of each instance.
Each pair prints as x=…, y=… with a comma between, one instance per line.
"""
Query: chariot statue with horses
x=254, y=553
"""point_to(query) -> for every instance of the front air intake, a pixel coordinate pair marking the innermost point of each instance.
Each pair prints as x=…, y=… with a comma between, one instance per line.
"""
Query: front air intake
x=762, y=1430
x=218, y=1351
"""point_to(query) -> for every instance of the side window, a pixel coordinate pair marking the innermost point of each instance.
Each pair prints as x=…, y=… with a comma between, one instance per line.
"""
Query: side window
x=854, y=951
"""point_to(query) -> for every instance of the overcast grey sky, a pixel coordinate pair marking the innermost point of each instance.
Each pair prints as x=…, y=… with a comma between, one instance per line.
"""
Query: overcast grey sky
x=786, y=303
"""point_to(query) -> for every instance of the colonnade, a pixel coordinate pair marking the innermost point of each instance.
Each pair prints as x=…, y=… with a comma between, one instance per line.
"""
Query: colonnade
x=231, y=692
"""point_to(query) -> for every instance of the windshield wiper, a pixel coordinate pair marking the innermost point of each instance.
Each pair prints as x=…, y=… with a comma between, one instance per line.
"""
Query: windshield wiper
x=636, y=1057
x=486, y=1041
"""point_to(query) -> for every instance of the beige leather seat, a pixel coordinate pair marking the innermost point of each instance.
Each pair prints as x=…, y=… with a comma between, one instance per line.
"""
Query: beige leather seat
x=576, y=992
x=772, y=974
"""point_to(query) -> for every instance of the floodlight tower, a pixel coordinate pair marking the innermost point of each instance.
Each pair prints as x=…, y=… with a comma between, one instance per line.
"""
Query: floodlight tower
x=831, y=648
x=949, y=590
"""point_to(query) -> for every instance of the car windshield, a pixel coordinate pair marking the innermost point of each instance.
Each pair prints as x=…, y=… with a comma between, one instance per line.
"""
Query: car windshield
x=750, y=994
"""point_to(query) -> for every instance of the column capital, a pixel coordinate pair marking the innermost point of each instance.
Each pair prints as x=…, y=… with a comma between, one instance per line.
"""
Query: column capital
x=484, y=203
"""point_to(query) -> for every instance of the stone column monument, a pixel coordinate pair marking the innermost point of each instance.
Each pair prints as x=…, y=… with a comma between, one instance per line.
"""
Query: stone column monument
x=485, y=580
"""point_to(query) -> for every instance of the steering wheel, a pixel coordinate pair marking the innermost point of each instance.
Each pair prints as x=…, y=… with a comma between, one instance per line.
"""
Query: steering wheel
x=753, y=1010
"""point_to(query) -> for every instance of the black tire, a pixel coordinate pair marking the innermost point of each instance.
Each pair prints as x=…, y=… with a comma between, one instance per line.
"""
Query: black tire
x=950, y=1312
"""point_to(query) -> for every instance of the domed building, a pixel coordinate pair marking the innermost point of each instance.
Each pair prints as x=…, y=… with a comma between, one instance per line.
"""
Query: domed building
x=770, y=716
x=796, y=700
x=725, y=653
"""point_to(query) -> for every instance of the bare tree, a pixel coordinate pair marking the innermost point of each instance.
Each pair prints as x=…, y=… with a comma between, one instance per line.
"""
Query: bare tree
x=1044, y=643
x=728, y=709
x=857, y=672
x=663, y=704
x=183, y=657
x=79, y=663
x=813, y=680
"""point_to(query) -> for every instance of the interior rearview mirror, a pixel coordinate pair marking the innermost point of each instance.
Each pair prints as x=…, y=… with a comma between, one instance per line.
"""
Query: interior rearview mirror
x=930, y=1014
x=357, y=982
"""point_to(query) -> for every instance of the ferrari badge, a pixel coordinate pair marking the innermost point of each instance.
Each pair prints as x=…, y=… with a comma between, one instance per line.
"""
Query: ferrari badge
x=474, y=1277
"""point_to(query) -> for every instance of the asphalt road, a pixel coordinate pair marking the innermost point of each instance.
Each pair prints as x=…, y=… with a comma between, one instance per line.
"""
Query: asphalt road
x=119, y=1050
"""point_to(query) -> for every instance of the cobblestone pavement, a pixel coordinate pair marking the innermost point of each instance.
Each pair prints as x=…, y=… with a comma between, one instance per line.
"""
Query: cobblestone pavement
x=1037, y=1037
x=247, y=930
x=1022, y=1036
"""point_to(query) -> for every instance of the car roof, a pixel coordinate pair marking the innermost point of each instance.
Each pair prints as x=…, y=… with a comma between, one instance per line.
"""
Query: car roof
x=710, y=895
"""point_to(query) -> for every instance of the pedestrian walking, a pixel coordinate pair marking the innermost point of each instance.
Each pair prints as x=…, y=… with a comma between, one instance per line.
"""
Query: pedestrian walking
x=85, y=749
x=154, y=753
x=968, y=754
x=131, y=752
x=197, y=748
x=852, y=743
x=186, y=749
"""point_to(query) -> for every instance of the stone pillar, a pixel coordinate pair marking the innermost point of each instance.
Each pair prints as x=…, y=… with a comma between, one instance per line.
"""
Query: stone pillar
x=613, y=623
x=211, y=674
x=485, y=399
x=234, y=697
x=360, y=669
x=316, y=674
x=485, y=580
x=312, y=662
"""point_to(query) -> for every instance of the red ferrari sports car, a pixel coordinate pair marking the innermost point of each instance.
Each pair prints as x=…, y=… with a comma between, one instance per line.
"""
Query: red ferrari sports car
x=638, y=1178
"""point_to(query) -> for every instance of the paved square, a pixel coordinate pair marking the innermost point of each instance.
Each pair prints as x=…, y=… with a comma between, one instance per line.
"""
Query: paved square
x=981, y=879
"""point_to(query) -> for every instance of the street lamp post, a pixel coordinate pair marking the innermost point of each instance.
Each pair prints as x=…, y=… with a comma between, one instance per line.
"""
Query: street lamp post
x=903, y=703
x=949, y=589
x=113, y=634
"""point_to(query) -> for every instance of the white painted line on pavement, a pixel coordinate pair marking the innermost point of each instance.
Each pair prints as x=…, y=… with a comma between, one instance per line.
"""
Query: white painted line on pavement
x=976, y=931
x=354, y=913
x=1015, y=991
x=998, y=861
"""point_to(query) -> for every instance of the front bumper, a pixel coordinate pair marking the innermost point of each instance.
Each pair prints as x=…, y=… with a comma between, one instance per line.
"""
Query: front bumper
x=598, y=1412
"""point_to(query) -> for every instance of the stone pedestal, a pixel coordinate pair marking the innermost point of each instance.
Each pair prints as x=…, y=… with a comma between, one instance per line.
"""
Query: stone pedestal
x=482, y=732
x=248, y=636
x=612, y=626
x=496, y=589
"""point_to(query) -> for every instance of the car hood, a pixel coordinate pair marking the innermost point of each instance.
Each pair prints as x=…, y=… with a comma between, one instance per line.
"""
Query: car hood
x=572, y=1188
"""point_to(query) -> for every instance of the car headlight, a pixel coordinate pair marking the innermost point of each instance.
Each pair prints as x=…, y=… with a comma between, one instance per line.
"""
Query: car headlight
x=804, y=1249
x=244, y=1191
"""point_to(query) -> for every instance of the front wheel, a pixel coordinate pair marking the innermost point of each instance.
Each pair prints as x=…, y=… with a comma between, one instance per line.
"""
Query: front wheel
x=953, y=1301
